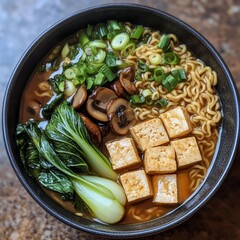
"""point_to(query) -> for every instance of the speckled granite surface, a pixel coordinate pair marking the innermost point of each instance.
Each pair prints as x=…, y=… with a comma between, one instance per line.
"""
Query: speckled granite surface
x=20, y=22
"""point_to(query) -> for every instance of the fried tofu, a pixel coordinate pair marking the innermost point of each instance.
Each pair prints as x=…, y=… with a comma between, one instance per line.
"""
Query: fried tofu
x=123, y=153
x=187, y=151
x=160, y=160
x=165, y=189
x=150, y=133
x=137, y=185
x=177, y=122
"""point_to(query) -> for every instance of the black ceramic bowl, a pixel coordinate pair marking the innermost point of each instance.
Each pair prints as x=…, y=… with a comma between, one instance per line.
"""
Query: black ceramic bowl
x=229, y=131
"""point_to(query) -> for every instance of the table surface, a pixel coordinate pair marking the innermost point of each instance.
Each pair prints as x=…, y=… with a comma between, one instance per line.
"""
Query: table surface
x=21, y=22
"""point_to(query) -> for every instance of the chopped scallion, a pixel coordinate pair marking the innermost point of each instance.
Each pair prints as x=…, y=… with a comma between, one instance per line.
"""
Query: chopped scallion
x=83, y=38
x=69, y=74
x=136, y=99
x=137, y=32
x=108, y=73
x=99, y=79
x=89, y=30
x=120, y=41
x=102, y=30
x=155, y=59
x=146, y=93
x=111, y=59
x=161, y=103
x=159, y=75
x=113, y=25
x=164, y=42
x=171, y=58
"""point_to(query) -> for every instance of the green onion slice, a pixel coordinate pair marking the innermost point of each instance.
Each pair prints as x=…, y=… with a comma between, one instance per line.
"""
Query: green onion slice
x=161, y=103
x=136, y=99
x=155, y=59
x=83, y=38
x=120, y=41
x=179, y=74
x=137, y=32
x=98, y=44
x=99, y=58
x=146, y=93
x=159, y=75
x=164, y=42
x=171, y=58
x=69, y=74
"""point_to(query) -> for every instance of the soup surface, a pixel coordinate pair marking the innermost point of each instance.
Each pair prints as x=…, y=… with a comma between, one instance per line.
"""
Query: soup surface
x=147, y=104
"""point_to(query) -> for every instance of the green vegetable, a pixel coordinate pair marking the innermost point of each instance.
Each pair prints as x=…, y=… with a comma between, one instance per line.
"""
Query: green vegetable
x=161, y=103
x=38, y=167
x=120, y=41
x=164, y=42
x=102, y=30
x=155, y=59
x=137, y=32
x=69, y=74
x=129, y=49
x=179, y=74
x=159, y=75
x=108, y=73
x=113, y=25
x=65, y=51
x=89, y=30
x=97, y=44
x=146, y=93
x=99, y=194
x=136, y=99
x=48, y=108
x=171, y=58
x=83, y=38
x=66, y=126
x=111, y=59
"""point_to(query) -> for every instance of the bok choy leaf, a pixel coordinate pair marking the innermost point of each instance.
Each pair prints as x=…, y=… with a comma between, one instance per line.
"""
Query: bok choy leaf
x=66, y=130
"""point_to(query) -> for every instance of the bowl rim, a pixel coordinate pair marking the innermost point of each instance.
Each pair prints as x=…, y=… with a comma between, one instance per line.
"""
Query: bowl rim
x=119, y=234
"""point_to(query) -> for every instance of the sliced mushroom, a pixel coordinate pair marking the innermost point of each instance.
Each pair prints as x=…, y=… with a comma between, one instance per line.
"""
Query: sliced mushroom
x=126, y=79
x=121, y=116
x=118, y=88
x=93, y=130
x=80, y=97
x=98, y=101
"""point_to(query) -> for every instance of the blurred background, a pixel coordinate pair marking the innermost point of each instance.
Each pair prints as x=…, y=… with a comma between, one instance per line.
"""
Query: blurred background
x=21, y=22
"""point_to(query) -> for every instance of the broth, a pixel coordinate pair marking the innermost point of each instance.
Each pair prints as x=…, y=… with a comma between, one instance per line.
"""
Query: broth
x=39, y=92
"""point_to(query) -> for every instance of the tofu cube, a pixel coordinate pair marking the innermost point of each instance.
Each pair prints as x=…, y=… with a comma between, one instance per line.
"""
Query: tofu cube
x=123, y=153
x=150, y=133
x=177, y=122
x=187, y=151
x=160, y=160
x=165, y=189
x=136, y=185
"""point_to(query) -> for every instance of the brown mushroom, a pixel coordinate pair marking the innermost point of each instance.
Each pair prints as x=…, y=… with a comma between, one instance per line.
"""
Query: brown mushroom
x=121, y=116
x=93, y=130
x=98, y=101
x=80, y=97
x=118, y=88
x=126, y=79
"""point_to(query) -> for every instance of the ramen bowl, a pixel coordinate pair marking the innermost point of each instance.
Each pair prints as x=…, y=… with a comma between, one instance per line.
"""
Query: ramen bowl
x=197, y=44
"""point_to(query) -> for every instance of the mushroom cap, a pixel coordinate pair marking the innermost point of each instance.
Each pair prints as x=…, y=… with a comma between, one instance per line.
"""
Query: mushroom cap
x=121, y=116
x=98, y=102
x=80, y=97
x=126, y=79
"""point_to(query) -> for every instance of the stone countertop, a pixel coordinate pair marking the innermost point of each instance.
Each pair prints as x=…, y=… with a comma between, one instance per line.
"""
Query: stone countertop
x=21, y=22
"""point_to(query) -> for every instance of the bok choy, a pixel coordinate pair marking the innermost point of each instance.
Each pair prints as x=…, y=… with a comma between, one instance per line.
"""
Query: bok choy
x=67, y=131
x=104, y=197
